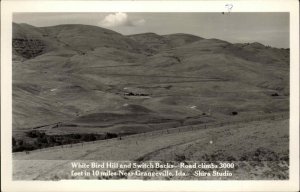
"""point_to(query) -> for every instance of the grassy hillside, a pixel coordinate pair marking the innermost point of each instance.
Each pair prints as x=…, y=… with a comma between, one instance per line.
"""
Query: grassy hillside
x=258, y=149
x=101, y=81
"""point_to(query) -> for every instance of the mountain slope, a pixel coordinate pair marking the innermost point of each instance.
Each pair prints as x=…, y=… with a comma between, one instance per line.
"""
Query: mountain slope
x=71, y=73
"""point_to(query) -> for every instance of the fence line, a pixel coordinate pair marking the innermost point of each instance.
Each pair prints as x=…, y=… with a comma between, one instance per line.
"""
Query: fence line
x=184, y=128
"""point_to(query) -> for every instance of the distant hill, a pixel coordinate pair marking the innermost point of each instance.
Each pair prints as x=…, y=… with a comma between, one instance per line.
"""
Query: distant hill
x=71, y=73
x=80, y=38
x=157, y=43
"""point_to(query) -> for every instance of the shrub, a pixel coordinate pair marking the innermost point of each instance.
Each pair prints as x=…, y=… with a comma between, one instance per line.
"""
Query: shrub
x=89, y=137
x=180, y=158
x=42, y=139
x=35, y=134
x=275, y=94
x=234, y=113
x=14, y=142
x=22, y=146
x=111, y=135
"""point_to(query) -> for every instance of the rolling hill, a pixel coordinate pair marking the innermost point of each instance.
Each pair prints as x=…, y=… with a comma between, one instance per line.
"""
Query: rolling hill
x=87, y=79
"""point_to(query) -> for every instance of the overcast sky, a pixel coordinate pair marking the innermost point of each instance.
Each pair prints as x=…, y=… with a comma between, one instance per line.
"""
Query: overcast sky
x=267, y=28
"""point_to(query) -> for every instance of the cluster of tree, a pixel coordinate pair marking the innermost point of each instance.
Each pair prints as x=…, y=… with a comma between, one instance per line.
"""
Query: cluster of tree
x=42, y=140
x=28, y=48
x=20, y=145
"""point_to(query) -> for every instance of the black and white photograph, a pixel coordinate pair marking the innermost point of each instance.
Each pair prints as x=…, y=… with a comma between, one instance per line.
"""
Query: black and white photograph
x=151, y=96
